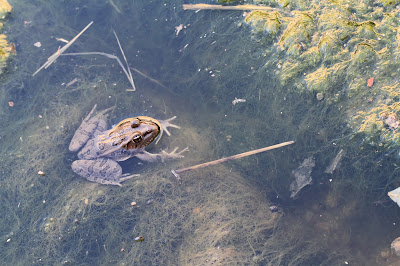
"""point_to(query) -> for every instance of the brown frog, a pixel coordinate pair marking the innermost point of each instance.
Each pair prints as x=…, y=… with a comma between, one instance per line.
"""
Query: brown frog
x=100, y=149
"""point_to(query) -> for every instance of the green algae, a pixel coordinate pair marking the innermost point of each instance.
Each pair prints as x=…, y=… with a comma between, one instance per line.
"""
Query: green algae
x=332, y=47
x=6, y=49
x=263, y=21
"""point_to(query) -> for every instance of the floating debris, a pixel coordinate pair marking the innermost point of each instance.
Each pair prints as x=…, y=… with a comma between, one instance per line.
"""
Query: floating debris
x=37, y=44
x=184, y=47
x=62, y=40
x=178, y=29
x=139, y=239
x=391, y=120
x=41, y=173
x=11, y=104
x=396, y=246
x=133, y=203
x=332, y=167
x=320, y=96
x=274, y=208
x=72, y=82
x=302, y=175
x=395, y=195
x=238, y=101
x=149, y=201
x=370, y=82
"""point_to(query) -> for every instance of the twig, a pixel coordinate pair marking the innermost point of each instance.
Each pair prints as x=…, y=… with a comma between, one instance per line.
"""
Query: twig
x=234, y=157
x=127, y=73
x=71, y=82
x=126, y=61
x=115, y=6
x=151, y=79
x=54, y=56
x=109, y=56
x=238, y=7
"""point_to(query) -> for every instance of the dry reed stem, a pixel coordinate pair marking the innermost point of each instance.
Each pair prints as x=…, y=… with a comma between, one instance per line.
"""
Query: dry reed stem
x=233, y=157
x=220, y=7
x=127, y=73
x=54, y=56
x=151, y=79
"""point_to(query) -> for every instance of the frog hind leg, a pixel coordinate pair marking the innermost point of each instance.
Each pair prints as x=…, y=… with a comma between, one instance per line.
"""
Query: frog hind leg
x=89, y=127
x=102, y=171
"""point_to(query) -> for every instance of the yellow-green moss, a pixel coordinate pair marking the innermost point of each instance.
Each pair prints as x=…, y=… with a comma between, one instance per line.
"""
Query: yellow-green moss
x=325, y=79
x=5, y=8
x=299, y=29
x=264, y=21
x=6, y=49
x=335, y=47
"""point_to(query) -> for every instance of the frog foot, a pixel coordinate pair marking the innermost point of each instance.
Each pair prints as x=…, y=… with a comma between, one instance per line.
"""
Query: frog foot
x=164, y=127
x=173, y=154
x=153, y=157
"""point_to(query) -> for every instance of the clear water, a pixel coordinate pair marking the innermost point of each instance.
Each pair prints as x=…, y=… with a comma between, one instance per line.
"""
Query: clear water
x=219, y=215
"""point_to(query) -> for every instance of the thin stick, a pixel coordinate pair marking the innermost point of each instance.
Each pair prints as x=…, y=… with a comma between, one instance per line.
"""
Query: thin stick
x=109, y=56
x=115, y=6
x=151, y=79
x=127, y=73
x=234, y=157
x=238, y=7
x=126, y=61
x=54, y=56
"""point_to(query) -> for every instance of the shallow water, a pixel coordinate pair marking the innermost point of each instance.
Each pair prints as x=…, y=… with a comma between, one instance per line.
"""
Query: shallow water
x=219, y=214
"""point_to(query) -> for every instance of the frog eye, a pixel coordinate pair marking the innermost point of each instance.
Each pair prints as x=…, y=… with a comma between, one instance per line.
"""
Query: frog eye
x=135, y=123
x=137, y=138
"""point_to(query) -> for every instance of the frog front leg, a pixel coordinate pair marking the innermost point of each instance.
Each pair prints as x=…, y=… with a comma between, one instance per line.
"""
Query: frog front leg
x=102, y=171
x=154, y=157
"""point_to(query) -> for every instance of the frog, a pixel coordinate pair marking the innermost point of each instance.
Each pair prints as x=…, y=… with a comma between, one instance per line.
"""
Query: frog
x=100, y=149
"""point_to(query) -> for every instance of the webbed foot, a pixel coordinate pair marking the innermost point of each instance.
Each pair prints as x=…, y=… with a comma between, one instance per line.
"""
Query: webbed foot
x=153, y=157
x=164, y=127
